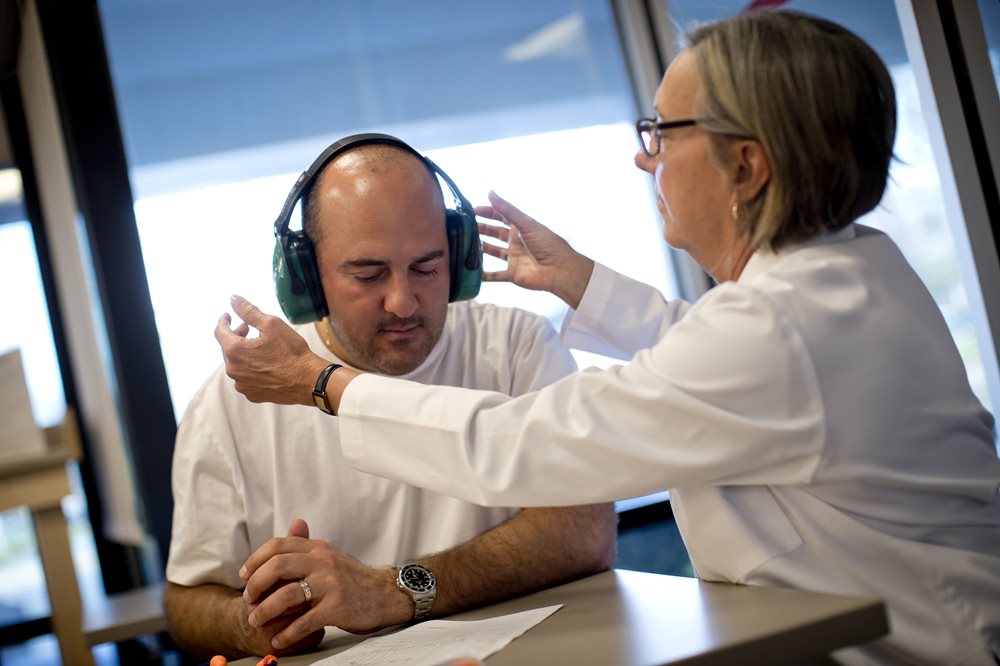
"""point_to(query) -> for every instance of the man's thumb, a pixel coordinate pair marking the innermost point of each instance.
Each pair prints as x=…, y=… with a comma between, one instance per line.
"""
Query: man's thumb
x=299, y=528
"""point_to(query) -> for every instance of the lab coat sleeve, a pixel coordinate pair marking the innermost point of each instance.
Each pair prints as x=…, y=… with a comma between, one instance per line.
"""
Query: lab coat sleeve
x=618, y=316
x=727, y=396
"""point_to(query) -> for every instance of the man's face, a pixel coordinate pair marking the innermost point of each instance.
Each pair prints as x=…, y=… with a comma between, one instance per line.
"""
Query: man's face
x=383, y=260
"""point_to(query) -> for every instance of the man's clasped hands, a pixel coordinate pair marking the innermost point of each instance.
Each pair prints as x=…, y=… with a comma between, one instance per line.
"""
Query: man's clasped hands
x=296, y=586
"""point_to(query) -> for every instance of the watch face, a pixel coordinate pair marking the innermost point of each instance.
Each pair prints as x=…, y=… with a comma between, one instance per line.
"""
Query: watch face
x=417, y=578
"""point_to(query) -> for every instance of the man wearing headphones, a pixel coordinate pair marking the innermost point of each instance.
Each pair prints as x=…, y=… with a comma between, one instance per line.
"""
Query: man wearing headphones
x=373, y=272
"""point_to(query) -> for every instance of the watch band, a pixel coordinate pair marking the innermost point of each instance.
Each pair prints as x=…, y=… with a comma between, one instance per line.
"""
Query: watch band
x=422, y=607
x=319, y=392
x=420, y=583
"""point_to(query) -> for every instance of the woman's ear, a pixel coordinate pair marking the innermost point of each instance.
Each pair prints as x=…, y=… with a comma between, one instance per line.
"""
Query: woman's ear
x=751, y=168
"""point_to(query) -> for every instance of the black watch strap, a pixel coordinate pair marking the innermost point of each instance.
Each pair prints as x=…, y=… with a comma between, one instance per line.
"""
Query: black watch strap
x=319, y=392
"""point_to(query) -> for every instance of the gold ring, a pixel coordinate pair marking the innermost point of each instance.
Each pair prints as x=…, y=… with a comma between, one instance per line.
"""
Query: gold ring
x=306, y=590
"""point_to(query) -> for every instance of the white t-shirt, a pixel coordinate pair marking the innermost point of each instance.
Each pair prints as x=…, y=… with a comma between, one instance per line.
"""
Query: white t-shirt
x=243, y=471
x=813, y=420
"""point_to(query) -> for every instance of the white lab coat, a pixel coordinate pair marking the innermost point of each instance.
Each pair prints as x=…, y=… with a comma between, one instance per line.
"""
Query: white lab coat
x=812, y=419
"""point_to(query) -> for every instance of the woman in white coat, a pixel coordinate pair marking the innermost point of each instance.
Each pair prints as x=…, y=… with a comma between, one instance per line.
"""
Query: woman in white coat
x=810, y=414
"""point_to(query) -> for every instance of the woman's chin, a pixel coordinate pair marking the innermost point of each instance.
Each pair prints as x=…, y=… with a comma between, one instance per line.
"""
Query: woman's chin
x=670, y=234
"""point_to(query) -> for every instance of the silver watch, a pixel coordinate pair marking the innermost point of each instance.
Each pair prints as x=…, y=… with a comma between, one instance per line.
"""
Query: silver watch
x=418, y=581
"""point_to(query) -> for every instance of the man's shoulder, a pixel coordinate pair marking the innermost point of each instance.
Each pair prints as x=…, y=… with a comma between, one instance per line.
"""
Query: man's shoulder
x=219, y=390
x=499, y=348
x=490, y=328
x=494, y=319
x=215, y=388
x=218, y=400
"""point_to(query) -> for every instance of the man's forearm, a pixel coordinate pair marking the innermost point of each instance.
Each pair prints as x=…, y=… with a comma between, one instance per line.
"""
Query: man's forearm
x=204, y=620
x=536, y=548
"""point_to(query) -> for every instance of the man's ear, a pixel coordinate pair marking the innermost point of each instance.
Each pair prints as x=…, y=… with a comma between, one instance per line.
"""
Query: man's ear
x=751, y=169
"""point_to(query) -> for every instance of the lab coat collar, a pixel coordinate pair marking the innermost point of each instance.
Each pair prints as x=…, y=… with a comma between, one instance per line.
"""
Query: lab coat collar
x=763, y=259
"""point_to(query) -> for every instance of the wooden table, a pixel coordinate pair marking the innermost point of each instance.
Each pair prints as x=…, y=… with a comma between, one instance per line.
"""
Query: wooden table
x=39, y=482
x=627, y=618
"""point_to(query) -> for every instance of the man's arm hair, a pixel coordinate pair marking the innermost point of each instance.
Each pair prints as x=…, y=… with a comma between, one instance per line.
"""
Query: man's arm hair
x=204, y=620
x=534, y=549
x=209, y=619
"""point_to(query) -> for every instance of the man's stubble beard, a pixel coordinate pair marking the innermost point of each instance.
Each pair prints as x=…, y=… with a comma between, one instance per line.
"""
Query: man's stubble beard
x=377, y=353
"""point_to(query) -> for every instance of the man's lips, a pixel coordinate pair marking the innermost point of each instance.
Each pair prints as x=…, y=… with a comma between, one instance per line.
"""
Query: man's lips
x=400, y=329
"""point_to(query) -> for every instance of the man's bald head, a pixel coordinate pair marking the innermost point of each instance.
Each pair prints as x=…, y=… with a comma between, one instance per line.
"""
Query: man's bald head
x=364, y=172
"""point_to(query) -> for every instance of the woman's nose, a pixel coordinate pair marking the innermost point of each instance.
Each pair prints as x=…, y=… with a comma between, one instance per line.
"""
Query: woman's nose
x=644, y=161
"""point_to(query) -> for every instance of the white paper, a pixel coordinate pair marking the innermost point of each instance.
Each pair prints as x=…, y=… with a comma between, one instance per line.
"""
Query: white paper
x=19, y=434
x=439, y=641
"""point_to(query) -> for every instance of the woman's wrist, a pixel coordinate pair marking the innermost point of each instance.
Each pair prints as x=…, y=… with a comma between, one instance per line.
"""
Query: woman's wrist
x=337, y=384
x=314, y=366
x=572, y=280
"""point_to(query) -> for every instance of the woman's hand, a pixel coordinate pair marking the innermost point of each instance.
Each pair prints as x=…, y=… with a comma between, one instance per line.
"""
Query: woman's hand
x=277, y=366
x=537, y=258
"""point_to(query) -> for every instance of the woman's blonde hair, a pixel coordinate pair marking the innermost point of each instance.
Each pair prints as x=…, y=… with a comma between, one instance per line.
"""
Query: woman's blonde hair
x=821, y=104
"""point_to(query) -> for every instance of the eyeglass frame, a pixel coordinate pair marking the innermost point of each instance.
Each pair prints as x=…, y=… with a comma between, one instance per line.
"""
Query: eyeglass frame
x=652, y=125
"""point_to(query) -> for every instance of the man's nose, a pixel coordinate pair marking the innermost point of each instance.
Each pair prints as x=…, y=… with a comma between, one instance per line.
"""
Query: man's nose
x=401, y=299
x=644, y=161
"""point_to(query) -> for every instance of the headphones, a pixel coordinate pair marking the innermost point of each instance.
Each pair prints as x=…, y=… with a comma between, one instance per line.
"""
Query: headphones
x=297, y=281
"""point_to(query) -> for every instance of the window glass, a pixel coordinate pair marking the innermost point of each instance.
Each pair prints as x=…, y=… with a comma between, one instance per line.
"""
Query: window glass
x=989, y=10
x=528, y=98
x=912, y=210
x=27, y=328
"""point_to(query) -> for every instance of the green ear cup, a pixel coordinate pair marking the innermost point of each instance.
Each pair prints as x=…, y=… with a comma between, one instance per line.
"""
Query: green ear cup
x=296, y=279
x=466, y=261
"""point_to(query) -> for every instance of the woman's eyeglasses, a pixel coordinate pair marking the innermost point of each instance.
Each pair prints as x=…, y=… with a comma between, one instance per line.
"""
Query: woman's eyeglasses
x=649, y=130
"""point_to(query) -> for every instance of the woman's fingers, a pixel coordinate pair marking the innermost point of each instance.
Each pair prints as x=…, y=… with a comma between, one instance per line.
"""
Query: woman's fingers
x=487, y=211
x=511, y=213
x=496, y=251
x=494, y=231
